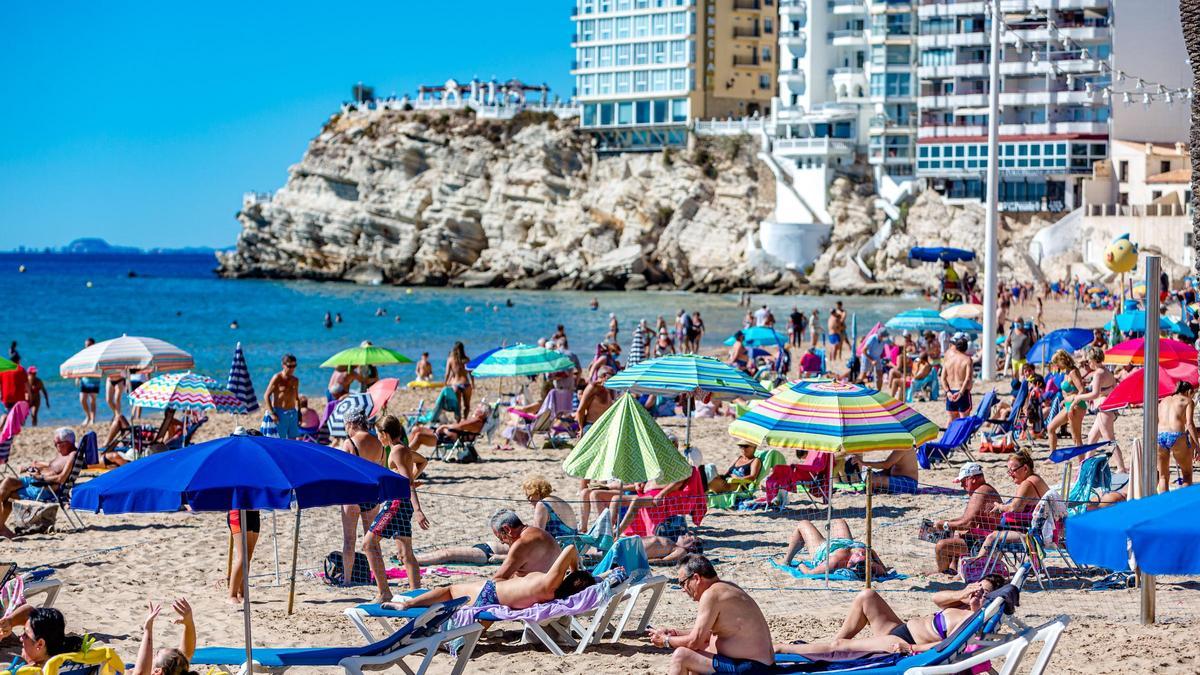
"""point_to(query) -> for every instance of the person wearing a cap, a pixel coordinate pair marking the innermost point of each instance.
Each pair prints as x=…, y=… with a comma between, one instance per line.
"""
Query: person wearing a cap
x=973, y=525
x=37, y=391
x=745, y=469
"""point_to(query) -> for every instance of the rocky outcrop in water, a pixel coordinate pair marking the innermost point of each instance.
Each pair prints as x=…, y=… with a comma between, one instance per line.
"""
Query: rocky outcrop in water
x=448, y=199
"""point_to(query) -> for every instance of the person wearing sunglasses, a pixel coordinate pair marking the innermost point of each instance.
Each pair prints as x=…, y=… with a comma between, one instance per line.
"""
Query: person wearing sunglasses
x=44, y=637
x=730, y=635
x=282, y=399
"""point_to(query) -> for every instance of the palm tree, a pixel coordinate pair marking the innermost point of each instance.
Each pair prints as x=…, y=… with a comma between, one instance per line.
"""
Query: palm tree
x=1189, y=18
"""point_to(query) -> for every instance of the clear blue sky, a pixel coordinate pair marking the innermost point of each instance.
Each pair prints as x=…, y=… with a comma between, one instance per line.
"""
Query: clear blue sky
x=144, y=122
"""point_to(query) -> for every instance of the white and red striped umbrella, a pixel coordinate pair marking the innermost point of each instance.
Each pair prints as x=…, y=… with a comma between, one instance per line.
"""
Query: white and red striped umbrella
x=126, y=353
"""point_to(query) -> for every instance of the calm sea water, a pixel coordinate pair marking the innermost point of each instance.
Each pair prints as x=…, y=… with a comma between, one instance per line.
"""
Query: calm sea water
x=51, y=309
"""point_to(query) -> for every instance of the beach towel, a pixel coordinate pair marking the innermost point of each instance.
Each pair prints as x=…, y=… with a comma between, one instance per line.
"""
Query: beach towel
x=692, y=501
x=836, y=575
x=15, y=420
x=583, y=601
x=627, y=553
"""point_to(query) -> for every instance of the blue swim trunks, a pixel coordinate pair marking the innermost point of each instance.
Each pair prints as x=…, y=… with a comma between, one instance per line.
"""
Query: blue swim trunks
x=34, y=493
x=902, y=485
x=288, y=425
x=487, y=595
x=725, y=664
x=834, y=338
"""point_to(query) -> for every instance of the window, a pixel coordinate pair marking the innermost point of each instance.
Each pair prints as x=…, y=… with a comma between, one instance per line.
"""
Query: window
x=624, y=82
x=766, y=54
x=1123, y=171
x=768, y=26
x=764, y=81
x=606, y=114
x=641, y=26
x=642, y=112
x=891, y=84
x=660, y=112
x=641, y=54
x=658, y=80
x=624, y=25
x=1164, y=167
x=641, y=81
x=624, y=54
x=679, y=110
x=625, y=113
x=589, y=115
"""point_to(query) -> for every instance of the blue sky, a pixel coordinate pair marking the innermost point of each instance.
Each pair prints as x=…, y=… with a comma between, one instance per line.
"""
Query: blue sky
x=144, y=122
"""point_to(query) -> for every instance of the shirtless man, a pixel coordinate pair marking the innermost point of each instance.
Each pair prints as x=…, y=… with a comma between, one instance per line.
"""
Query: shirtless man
x=562, y=580
x=30, y=486
x=281, y=402
x=837, y=329
x=530, y=549
x=897, y=473
x=595, y=400
x=424, y=368
x=957, y=377
x=360, y=443
x=730, y=634
x=448, y=433
x=1176, y=435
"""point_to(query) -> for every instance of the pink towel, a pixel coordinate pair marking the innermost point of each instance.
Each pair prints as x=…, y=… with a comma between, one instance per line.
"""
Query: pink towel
x=16, y=417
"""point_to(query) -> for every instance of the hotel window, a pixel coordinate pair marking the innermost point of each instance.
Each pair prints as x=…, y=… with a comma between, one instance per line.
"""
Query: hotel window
x=589, y=115
x=658, y=24
x=605, y=6
x=679, y=110
x=679, y=22
x=678, y=78
x=588, y=6
x=606, y=114
x=766, y=54
x=659, y=51
x=587, y=85
x=641, y=26
x=764, y=81
x=658, y=80
x=625, y=113
x=587, y=57
x=768, y=26
x=641, y=81
x=623, y=82
x=587, y=30
x=641, y=54
x=642, y=112
x=605, y=56
x=678, y=51
x=624, y=24
x=604, y=29
x=660, y=112
x=604, y=83
x=623, y=54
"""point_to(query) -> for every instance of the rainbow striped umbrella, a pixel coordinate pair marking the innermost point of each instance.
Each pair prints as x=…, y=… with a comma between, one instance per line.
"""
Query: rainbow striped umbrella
x=687, y=373
x=519, y=360
x=833, y=417
x=126, y=353
x=186, y=391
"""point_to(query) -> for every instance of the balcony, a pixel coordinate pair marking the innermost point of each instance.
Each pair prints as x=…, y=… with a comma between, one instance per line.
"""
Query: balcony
x=1020, y=98
x=793, y=7
x=747, y=5
x=849, y=83
x=795, y=41
x=752, y=32
x=846, y=6
x=1137, y=210
x=812, y=146
x=930, y=8
x=846, y=38
x=746, y=60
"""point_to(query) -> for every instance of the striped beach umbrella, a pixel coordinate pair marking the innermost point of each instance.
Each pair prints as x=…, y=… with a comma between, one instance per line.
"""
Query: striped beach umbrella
x=963, y=311
x=239, y=380
x=759, y=336
x=833, y=417
x=126, y=353
x=919, y=321
x=186, y=391
x=626, y=444
x=366, y=355
x=520, y=360
x=687, y=374
x=1134, y=352
x=337, y=416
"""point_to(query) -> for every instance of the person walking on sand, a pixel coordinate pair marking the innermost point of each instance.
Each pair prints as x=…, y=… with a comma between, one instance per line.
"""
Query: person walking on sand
x=730, y=634
x=837, y=329
x=282, y=400
x=394, y=520
x=459, y=378
x=1176, y=435
x=957, y=377
x=814, y=328
x=360, y=443
x=37, y=392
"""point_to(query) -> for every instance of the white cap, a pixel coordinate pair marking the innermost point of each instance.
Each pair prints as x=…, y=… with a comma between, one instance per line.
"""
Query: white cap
x=969, y=469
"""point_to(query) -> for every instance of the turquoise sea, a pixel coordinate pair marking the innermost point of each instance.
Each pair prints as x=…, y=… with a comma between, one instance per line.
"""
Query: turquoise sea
x=51, y=309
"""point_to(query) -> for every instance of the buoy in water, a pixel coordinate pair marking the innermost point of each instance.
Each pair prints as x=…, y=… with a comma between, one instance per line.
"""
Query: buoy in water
x=21, y=269
x=408, y=291
x=89, y=284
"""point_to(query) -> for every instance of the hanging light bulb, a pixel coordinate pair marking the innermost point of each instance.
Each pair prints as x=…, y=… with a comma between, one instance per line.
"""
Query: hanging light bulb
x=1141, y=84
x=1106, y=94
x=1087, y=86
x=1168, y=99
x=1084, y=54
x=1033, y=58
x=1125, y=98
x=1146, y=98
x=1120, y=76
x=1070, y=80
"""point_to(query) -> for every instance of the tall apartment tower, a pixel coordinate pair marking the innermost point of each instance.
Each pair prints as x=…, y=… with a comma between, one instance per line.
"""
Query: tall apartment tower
x=1053, y=121
x=644, y=69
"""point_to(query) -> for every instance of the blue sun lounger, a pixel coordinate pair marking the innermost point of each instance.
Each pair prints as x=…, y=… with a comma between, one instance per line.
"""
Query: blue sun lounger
x=424, y=633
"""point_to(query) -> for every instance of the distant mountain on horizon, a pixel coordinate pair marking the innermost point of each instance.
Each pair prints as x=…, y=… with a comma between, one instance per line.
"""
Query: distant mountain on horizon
x=98, y=246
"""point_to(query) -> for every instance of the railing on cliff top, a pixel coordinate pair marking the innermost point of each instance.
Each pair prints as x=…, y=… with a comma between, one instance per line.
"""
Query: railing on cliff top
x=499, y=110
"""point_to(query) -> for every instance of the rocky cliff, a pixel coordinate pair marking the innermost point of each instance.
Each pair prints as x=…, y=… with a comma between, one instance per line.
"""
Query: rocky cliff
x=448, y=199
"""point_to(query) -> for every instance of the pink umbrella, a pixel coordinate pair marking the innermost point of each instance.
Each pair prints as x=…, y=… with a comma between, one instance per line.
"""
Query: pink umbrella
x=862, y=345
x=1133, y=351
x=1130, y=392
x=380, y=392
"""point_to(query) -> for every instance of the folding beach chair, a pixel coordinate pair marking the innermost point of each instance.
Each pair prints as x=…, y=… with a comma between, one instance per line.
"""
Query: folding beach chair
x=1009, y=426
x=1009, y=652
x=1034, y=546
x=691, y=500
x=770, y=459
x=957, y=436
x=812, y=478
x=1095, y=476
x=62, y=494
x=424, y=632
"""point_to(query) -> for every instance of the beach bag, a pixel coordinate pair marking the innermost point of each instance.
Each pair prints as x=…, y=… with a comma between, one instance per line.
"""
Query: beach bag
x=29, y=517
x=462, y=454
x=932, y=534
x=971, y=570
x=335, y=573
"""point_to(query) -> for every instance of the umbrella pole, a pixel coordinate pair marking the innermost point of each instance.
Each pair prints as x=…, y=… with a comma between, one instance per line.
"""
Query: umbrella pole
x=868, y=575
x=295, y=554
x=689, y=404
x=246, y=593
x=275, y=545
x=828, y=518
x=229, y=559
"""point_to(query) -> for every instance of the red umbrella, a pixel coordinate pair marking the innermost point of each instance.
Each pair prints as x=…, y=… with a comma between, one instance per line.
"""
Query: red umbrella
x=1134, y=351
x=1131, y=390
x=380, y=392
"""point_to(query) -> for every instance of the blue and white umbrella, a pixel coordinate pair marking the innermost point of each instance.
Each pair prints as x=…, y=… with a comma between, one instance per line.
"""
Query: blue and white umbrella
x=239, y=381
x=337, y=417
x=919, y=321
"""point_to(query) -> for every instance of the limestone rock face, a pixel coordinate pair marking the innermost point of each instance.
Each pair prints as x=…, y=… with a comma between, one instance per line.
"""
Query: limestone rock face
x=412, y=198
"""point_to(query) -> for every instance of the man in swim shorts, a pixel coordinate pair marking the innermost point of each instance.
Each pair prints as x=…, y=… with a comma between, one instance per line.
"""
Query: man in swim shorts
x=897, y=473
x=730, y=635
x=282, y=400
x=957, y=376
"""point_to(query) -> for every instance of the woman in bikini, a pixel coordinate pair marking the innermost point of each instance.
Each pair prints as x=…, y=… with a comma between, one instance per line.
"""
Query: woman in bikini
x=841, y=551
x=1016, y=515
x=1100, y=383
x=458, y=378
x=890, y=633
x=745, y=469
x=552, y=514
x=1074, y=407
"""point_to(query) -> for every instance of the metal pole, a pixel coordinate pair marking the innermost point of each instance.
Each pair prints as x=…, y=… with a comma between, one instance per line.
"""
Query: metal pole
x=1149, y=468
x=275, y=545
x=246, y=593
x=829, y=517
x=993, y=194
x=869, y=557
x=295, y=554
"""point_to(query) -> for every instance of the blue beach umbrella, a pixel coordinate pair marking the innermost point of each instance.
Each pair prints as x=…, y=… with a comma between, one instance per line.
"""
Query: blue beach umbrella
x=1161, y=532
x=239, y=381
x=1134, y=322
x=474, y=363
x=1066, y=339
x=966, y=325
x=940, y=254
x=242, y=473
x=919, y=321
x=760, y=336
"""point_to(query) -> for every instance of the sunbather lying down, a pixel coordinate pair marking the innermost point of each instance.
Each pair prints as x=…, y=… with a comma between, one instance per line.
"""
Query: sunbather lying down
x=890, y=633
x=842, y=551
x=562, y=581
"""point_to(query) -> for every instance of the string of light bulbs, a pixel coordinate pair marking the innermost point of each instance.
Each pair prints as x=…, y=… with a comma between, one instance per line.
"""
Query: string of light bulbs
x=1145, y=90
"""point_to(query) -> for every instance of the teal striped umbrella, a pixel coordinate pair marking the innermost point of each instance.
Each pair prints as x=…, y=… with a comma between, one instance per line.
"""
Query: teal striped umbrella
x=520, y=360
x=687, y=373
x=919, y=321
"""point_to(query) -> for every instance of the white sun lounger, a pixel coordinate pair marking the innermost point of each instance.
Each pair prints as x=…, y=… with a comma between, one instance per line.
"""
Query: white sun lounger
x=1010, y=652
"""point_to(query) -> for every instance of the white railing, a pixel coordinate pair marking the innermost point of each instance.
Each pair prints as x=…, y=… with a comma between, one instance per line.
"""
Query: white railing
x=503, y=110
x=251, y=198
x=1136, y=210
x=811, y=146
x=730, y=127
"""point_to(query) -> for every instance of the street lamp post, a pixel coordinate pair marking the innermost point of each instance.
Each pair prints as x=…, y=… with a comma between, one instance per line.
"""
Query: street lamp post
x=993, y=194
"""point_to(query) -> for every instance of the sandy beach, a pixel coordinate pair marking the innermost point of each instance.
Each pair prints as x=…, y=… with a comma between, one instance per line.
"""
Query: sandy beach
x=110, y=569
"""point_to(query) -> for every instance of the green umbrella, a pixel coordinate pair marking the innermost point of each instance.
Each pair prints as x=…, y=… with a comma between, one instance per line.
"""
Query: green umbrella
x=5, y=364
x=365, y=356
x=626, y=444
x=521, y=360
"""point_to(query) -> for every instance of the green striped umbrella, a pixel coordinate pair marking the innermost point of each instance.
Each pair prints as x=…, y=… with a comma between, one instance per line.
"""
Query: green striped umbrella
x=626, y=444
x=5, y=364
x=520, y=360
x=684, y=374
x=365, y=356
